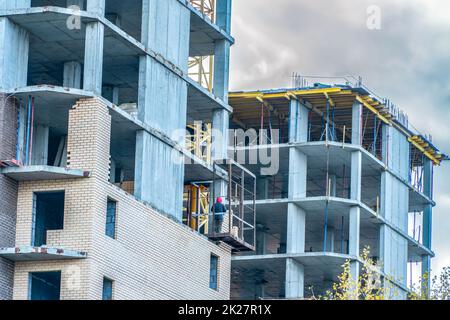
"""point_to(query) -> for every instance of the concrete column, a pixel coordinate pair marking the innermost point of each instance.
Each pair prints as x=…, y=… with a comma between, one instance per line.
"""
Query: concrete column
x=295, y=285
x=93, y=57
x=296, y=229
x=14, y=48
x=78, y=3
x=298, y=122
x=354, y=236
x=427, y=223
x=332, y=184
x=96, y=6
x=220, y=139
x=357, y=123
x=223, y=14
x=262, y=188
x=16, y=4
x=112, y=94
x=387, y=145
x=330, y=239
x=94, y=44
x=72, y=75
x=260, y=239
x=355, y=214
x=40, y=146
x=298, y=162
x=157, y=161
x=356, y=176
x=428, y=212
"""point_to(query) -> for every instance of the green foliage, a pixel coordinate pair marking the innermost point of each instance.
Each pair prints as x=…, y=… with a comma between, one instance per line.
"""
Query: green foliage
x=369, y=285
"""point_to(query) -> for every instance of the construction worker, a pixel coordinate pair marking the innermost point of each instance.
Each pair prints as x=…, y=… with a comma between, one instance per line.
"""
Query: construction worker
x=219, y=210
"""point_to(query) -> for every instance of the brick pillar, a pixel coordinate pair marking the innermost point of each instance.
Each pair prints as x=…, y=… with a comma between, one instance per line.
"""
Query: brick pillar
x=89, y=136
x=8, y=197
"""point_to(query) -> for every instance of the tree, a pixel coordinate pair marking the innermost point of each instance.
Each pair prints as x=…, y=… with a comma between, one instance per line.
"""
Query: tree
x=439, y=287
x=369, y=285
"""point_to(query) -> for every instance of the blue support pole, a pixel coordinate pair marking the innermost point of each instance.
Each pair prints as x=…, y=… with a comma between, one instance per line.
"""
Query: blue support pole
x=27, y=148
x=18, y=133
x=342, y=235
x=325, y=231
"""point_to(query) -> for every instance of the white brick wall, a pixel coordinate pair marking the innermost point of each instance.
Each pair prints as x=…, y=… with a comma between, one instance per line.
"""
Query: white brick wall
x=153, y=256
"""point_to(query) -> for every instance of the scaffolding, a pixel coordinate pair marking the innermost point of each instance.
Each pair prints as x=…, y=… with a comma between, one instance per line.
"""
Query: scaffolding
x=196, y=207
x=201, y=70
x=206, y=7
x=201, y=67
x=199, y=140
x=239, y=224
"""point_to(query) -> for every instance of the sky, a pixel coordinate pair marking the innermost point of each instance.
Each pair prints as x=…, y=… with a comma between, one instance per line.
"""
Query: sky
x=406, y=59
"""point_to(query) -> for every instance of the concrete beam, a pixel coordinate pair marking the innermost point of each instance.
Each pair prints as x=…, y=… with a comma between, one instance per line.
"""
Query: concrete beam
x=93, y=57
x=72, y=75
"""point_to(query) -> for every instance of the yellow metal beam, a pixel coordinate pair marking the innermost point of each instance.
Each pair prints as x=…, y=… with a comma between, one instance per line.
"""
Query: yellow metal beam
x=329, y=99
x=373, y=109
x=298, y=93
x=425, y=152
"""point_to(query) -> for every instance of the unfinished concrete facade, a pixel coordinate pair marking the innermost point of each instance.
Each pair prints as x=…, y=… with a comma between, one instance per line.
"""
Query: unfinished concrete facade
x=96, y=98
x=352, y=175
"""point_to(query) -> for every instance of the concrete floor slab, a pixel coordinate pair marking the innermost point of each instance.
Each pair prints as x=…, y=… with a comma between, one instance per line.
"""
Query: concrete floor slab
x=40, y=173
x=21, y=254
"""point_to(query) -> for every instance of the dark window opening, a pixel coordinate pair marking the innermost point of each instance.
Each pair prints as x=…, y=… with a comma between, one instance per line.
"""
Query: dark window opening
x=111, y=213
x=107, y=289
x=214, y=272
x=45, y=285
x=48, y=214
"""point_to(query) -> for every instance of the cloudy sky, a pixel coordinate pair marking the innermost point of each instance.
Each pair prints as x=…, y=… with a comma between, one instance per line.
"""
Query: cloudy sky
x=407, y=61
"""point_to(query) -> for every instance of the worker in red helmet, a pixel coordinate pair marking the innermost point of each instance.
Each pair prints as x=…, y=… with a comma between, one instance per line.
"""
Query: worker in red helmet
x=219, y=211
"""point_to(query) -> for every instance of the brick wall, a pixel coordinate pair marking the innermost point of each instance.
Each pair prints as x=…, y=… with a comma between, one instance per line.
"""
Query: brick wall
x=8, y=187
x=153, y=257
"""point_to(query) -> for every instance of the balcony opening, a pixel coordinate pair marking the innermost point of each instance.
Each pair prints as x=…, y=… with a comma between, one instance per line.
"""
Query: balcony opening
x=45, y=285
x=126, y=15
x=59, y=3
x=48, y=214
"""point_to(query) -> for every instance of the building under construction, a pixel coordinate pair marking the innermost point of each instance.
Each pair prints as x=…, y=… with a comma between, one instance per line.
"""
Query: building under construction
x=353, y=174
x=108, y=166
x=114, y=131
